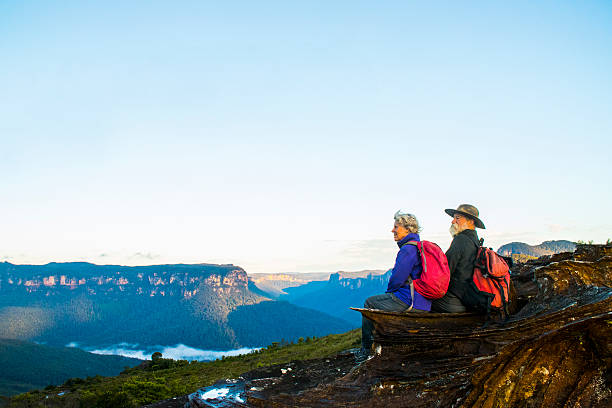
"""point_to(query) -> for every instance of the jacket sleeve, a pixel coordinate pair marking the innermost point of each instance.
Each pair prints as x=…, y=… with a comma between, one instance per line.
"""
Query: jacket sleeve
x=404, y=263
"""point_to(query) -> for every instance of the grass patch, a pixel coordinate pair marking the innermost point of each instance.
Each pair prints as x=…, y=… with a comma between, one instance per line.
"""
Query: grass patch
x=164, y=378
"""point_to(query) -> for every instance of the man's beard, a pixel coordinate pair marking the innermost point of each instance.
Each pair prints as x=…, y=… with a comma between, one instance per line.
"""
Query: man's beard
x=454, y=230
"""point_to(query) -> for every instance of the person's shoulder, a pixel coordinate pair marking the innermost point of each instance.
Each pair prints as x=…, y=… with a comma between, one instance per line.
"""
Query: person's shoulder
x=462, y=236
x=465, y=237
x=407, y=248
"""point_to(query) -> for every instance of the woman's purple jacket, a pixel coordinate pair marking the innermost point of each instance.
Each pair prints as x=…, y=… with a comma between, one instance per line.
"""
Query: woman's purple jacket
x=407, y=264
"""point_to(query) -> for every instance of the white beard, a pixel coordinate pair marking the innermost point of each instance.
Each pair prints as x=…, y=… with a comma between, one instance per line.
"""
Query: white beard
x=454, y=230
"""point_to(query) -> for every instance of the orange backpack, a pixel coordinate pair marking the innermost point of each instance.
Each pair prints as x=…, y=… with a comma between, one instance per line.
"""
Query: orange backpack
x=490, y=285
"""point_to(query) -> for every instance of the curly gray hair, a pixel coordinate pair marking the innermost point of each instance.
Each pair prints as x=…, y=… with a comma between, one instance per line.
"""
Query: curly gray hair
x=408, y=221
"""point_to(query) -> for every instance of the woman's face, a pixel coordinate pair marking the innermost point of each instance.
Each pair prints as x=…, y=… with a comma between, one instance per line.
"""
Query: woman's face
x=399, y=232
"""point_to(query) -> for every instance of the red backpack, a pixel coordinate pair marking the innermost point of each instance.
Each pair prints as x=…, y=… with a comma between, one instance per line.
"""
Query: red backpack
x=435, y=277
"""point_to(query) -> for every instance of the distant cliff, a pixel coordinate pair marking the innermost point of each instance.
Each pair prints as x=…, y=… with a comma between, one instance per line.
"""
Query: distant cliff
x=81, y=277
x=336, y=295
x=203, y=305
x=274, y=284
x=545, y=248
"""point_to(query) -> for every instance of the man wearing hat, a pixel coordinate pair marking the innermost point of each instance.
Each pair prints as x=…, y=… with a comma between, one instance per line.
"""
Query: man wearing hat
x=461, y=256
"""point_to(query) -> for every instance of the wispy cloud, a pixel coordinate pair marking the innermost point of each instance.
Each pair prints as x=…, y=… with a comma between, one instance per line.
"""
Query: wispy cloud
x=140, y=257
x=176, y=352
x=143, y=255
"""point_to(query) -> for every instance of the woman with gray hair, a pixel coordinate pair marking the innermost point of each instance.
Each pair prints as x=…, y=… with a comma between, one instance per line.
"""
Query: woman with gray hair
x=400, y=295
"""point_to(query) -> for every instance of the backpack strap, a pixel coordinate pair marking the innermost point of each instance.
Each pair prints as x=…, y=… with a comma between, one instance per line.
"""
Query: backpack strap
x=500, y=286
x=411, y=294
x=423, y=259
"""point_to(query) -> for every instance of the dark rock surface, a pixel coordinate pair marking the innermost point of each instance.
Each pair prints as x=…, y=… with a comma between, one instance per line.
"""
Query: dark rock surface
x=258, y=387
x=556, y=351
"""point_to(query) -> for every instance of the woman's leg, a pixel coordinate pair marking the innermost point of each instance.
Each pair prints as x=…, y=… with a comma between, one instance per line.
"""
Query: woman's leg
x=387, y=302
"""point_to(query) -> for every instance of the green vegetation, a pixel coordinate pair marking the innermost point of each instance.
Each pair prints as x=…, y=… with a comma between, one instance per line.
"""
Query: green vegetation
x=26, y=366
x=522, y=258
x=162, y=378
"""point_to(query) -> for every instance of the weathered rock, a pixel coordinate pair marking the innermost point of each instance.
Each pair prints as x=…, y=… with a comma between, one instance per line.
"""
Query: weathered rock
x=556, y=351
x=261, y=385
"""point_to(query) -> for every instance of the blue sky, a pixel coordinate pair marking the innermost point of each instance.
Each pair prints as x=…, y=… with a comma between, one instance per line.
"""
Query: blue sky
x=282, y=136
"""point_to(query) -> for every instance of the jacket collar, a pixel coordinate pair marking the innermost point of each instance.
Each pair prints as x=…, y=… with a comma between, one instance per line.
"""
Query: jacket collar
x=409, y=237
x=472, y=234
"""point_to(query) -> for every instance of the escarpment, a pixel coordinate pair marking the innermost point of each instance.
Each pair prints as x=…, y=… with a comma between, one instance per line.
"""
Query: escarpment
x=70, y=279
x=555, y=350
x=205, y=306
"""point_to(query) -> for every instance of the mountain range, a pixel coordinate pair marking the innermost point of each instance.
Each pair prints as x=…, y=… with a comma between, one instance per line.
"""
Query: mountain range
x=545, y=248
x=274, y=284
x=340, y=292
x=205, y=306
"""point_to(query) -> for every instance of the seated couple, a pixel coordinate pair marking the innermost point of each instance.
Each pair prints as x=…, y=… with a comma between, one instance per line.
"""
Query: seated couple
x=460, y=255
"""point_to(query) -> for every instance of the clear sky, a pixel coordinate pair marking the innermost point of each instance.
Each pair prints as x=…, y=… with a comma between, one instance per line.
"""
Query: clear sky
x=283, y=135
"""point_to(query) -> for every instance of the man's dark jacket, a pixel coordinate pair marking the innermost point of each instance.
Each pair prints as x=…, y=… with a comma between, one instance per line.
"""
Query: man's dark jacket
x=461, y=256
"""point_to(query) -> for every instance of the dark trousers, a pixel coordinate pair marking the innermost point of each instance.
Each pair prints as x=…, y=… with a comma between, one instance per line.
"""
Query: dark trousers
x=448, y=304
x=388, y=302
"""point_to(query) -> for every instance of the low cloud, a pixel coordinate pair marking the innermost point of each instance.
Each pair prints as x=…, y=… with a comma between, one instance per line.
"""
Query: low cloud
x=176, y=352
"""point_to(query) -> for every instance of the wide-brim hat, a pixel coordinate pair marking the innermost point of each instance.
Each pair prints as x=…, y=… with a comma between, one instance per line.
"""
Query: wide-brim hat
x=469, y=211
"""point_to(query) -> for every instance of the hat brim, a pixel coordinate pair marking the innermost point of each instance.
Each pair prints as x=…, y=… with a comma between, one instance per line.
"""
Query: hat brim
x=477, y=222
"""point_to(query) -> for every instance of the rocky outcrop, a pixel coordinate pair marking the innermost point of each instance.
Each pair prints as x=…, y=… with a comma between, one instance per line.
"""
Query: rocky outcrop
x=554, y=351
x=545, y=248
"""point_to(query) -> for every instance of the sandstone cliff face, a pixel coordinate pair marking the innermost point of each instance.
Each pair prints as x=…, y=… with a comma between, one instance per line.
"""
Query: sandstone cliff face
x=159, y=280
x=107, y=304
x=555, y=351
x=98, y=306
